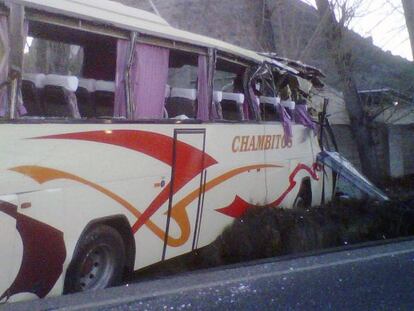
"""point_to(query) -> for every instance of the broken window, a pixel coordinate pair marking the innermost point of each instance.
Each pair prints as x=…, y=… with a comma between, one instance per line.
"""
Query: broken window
x=269, y=102
x=182, y=88
x=68, y=73
x=229, y=98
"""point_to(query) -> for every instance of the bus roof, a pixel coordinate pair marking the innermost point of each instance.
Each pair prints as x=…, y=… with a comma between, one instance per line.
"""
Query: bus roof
x=125, y=17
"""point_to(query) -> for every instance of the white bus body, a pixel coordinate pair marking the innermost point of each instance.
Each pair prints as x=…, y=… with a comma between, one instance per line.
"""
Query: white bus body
x=168, y=188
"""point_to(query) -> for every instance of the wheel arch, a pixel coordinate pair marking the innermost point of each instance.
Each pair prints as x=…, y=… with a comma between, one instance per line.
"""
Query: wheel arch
x=119, y=223
x=305, y=191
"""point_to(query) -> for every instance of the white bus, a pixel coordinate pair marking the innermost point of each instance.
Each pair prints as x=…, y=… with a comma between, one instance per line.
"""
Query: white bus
x=125, y=142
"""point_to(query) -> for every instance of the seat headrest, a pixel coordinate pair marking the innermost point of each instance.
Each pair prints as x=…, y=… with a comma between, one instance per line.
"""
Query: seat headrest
x=167, y=91
x=105, y=86
x=38, y=79
x=70, y=83
x=88, y=84
x=237, y=97
x=217, y=96
x=270, y=100
x=288, y=104
x=190, y=94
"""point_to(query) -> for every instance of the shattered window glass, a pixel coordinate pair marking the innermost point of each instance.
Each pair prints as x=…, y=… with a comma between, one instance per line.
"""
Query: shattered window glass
x=46, y=56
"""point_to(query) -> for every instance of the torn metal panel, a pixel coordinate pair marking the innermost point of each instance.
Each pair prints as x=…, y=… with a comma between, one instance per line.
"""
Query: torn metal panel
x=298, y=65
x=297, y=68
x=344, y=168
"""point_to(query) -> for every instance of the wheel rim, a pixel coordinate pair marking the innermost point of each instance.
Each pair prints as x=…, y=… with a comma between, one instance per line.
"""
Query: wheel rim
x=97, y=268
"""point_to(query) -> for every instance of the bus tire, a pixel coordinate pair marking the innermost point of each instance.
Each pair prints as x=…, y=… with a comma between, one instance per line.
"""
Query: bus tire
x=98, y=261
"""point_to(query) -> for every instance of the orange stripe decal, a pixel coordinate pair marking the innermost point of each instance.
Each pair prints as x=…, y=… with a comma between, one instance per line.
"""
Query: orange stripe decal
x=43, y=175
x=179, y=213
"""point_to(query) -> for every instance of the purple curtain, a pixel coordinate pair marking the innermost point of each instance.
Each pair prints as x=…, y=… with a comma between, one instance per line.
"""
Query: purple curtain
x=203, y=89
x=149, y=75
x=4, y=62
x=121, y=66
x=286, y=122
x=302, y=117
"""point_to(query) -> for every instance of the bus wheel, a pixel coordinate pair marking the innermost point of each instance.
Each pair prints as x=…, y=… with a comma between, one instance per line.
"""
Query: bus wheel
x=98, y=261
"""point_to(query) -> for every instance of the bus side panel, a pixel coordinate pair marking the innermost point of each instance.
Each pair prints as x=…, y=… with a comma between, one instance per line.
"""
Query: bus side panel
x=295, y=162
x=238, y=179
x=10, y=244
x=67, y=183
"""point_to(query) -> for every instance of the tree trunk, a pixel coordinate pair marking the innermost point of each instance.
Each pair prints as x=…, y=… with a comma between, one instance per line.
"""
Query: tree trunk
x=409, y=19
x=342, y=56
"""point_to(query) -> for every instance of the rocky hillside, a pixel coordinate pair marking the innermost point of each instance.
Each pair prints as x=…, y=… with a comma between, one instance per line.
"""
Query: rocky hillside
x=287, y=28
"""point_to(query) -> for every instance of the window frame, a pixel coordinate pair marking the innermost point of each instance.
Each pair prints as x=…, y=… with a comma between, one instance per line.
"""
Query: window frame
x=74, y=23
x=242, y=63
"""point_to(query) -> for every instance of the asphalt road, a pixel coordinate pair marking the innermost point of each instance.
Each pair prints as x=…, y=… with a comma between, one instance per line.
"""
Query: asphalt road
x=369, y=278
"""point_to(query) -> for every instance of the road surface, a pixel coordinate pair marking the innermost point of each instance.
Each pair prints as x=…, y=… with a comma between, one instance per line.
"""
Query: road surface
x=370, y=278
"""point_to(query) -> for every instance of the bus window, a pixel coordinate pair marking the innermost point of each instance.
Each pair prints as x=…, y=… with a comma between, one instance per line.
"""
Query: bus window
x=228, y=79
x=50, y=78
x=68, y=74
x=181, y=90
x=269, y=102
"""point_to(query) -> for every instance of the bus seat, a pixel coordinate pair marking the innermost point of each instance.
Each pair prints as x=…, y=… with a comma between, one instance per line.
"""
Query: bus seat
x=59, y=96
x=289, y=104
x=182, y=102
x=217, y=96
x=167, y=91
x=86, y=98
x=32, y=88
x=217, y=99
x=104, y=98
x=69, y=83
x=105, y=86
x=268, y=108
x=38, y=79
x=87, y=84
x=232, y=106
x=290, y=107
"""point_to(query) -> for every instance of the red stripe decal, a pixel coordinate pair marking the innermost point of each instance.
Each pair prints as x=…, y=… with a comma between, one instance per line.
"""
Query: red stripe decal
x=156, y=146
x=292, y=182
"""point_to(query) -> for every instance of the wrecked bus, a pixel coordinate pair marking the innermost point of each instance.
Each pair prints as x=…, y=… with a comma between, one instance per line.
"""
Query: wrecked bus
x=125, y=142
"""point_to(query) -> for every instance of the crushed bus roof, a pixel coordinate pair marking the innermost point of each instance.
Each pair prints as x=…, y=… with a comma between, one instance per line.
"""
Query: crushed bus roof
x=125, y=17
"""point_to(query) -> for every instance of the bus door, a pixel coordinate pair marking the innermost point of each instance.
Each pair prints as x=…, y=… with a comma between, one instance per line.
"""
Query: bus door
x=187, y=177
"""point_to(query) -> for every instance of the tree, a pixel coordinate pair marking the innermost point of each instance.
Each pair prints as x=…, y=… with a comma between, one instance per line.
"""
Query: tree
x=335, y=17
x=408, y=6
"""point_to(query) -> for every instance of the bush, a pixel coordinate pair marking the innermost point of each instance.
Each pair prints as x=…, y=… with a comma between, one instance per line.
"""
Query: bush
x=268, y=232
